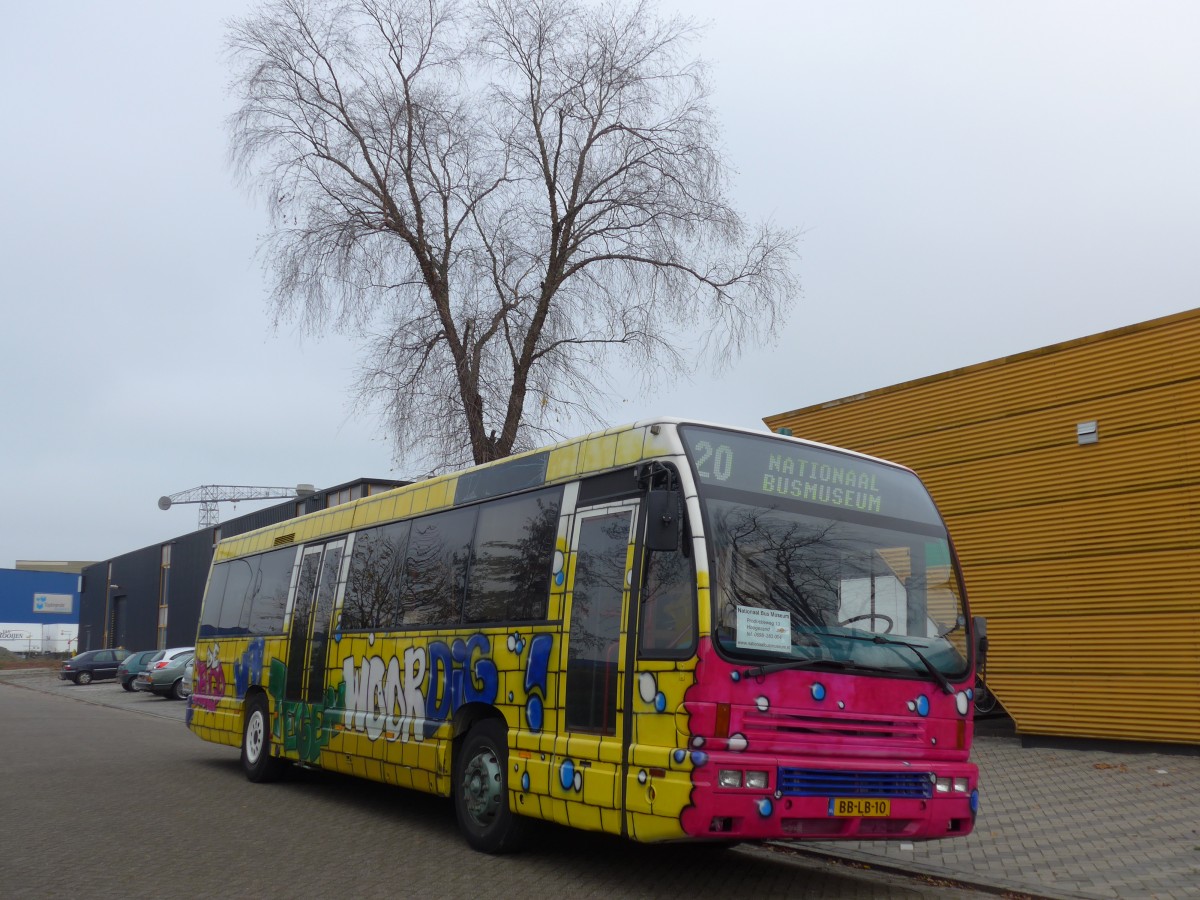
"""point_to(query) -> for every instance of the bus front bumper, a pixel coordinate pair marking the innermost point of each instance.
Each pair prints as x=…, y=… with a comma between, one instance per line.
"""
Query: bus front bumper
x=858, y=805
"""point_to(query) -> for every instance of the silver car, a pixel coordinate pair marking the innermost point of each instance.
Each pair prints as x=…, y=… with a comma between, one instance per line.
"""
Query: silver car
x=164, y=674
x=189, y=672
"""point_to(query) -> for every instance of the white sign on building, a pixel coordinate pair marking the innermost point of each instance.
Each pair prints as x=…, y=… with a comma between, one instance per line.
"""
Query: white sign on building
x=22, y=637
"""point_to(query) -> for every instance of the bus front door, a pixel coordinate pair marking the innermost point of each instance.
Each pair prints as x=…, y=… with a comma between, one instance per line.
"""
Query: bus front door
x=588, y=761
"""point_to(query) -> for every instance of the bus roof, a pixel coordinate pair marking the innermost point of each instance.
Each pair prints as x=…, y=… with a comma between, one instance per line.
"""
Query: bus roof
x=599, y=451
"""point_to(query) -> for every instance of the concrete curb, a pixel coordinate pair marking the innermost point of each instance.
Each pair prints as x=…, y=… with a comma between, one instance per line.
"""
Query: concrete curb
x=1013, y=890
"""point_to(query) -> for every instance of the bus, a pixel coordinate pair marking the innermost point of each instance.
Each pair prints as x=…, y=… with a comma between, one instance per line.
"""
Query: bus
x=667, y=631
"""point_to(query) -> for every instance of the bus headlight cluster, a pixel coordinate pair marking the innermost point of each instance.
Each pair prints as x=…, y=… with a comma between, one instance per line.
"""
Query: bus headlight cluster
x=736, y=778
x=946, y=785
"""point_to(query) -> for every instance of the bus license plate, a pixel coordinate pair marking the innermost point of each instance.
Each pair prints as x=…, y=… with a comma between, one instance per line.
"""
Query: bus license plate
x=858, y=808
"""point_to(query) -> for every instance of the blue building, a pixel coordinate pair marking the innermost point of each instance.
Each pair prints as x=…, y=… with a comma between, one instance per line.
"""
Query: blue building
x=39, y=611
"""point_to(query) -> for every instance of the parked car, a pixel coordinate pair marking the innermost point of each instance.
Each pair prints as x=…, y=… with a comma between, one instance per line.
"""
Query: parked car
x=92, y=665
x=131, y=665
x=189, y=672
x=164, y=674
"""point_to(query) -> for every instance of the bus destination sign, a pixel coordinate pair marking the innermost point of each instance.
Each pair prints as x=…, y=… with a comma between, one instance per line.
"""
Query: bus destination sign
x=799, y=476
x=779, y=468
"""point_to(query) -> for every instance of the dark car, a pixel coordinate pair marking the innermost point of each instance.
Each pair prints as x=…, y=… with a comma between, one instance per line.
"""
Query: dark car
x=132, y=665
x=92, y=665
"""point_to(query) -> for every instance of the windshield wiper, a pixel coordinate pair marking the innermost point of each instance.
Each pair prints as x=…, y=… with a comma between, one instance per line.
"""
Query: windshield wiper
x=933, y=670
x=767, y=669
x=756, y=671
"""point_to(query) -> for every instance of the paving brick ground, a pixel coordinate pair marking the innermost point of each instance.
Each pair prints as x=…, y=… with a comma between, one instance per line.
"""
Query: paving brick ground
x=1053, y=822
x=1067, y=823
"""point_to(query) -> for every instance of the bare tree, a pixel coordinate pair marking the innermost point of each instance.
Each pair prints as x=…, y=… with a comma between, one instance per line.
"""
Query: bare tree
x=507, y=198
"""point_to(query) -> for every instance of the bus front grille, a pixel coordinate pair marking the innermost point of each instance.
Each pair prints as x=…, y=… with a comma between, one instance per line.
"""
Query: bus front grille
x=797, y=782
x=787, y=729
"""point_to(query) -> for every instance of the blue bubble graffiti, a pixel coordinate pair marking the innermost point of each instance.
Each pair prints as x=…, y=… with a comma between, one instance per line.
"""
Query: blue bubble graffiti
x=459, y=673
x=536, y=678
x=248, y=669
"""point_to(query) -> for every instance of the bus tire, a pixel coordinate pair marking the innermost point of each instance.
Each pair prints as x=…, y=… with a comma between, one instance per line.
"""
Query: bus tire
x=257, y=762
x=481, y=790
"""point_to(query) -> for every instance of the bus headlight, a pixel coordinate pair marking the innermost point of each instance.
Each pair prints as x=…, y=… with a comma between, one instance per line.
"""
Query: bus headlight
x=736, y=778
x=945, y=785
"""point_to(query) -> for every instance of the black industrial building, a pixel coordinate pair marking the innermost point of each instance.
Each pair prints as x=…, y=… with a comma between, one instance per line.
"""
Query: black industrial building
x=151, y=597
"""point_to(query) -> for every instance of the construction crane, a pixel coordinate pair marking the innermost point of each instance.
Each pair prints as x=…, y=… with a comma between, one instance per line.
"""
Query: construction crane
x=209, y=495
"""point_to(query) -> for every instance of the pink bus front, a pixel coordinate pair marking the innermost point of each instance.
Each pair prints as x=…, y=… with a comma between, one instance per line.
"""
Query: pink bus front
x=832, y=698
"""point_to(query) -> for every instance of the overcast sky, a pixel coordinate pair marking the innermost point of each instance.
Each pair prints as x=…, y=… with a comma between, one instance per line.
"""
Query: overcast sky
x=973, y=179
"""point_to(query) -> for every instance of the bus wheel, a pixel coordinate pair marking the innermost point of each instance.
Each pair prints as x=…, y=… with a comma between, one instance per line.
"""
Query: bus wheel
x=481, y=790
x=257, y=761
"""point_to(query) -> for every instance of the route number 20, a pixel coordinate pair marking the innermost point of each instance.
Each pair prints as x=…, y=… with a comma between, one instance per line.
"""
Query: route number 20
x=714, y=462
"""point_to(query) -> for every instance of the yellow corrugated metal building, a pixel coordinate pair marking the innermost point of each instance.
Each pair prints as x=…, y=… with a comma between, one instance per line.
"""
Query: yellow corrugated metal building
x=1070, y=479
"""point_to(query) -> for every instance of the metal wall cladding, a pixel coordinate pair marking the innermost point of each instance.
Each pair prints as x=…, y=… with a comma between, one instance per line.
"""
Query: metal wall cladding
x=1085, y=558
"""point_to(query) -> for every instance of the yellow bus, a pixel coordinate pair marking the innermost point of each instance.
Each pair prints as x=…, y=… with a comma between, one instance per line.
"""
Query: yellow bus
x=668, y=631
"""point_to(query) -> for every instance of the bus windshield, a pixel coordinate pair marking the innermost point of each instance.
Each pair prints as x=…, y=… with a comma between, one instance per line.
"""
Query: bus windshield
x=826, y=559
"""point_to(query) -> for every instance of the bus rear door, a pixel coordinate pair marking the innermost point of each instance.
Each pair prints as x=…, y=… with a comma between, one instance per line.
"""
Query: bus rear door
x=312, y=610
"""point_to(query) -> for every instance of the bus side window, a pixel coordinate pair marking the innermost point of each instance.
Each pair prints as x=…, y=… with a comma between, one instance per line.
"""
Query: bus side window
x=509, y=578
x=242, y=574
x=211, y=616
x=373, y=585
x=439, y=546
x=668, y=626
x=270, y=599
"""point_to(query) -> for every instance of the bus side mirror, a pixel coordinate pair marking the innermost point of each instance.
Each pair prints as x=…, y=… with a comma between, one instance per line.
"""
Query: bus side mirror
x=662, y=520
x=979, y=626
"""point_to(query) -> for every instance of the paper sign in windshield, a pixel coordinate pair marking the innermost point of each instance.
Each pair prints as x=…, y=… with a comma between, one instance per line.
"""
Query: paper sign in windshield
x=764, y=629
